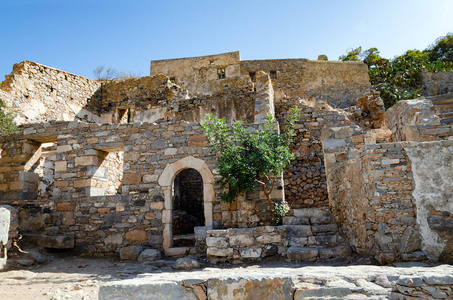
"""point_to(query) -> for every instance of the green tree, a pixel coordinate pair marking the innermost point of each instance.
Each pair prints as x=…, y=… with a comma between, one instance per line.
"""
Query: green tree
x=7, y=123
x=352, y=55
x=442, y=48
x=249, y=159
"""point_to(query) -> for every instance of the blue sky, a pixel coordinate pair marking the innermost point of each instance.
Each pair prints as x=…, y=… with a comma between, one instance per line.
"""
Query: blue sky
x=78, y=35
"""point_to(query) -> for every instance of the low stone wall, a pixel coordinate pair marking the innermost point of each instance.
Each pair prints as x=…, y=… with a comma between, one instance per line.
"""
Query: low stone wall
x=247, y=244
x=416, y=120
x=37, y=93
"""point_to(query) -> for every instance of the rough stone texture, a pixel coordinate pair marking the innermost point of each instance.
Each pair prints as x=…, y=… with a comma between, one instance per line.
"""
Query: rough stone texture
x=296, y=242
x=416, y=120
x=437, y=83
x=149, y=255
x=131, y=252
x=4, y=230
x=143, y=289
x=309, y=282
x=305, y=181
x=432, y=197
x=250, y=288
x=186, y=263
x=37, y=93
x=388, y=207
x=198, y=74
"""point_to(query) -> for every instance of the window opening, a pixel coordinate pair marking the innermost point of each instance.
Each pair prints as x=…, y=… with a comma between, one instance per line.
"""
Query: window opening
x=252, y=76
x=221, y=73
x=211, y=62
x=173, y=79
x=273, y=74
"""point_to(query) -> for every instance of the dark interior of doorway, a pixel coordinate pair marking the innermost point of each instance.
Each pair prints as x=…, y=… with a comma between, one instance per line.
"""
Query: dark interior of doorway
x=188, y=211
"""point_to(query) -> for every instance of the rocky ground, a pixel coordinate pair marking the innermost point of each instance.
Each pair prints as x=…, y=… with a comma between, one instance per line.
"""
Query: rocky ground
x=65, y=276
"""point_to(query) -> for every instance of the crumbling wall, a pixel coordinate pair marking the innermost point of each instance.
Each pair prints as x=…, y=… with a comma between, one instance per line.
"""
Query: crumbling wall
x=37, y=93
x=197, y=74
x=416, y=120
x=437, y=83
x=151, y=99
x=391, y=204
x=370, y=193
x=340, y=84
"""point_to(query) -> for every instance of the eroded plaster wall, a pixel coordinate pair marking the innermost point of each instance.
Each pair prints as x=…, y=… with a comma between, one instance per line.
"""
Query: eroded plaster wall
x=432, y=168
x=37, y=93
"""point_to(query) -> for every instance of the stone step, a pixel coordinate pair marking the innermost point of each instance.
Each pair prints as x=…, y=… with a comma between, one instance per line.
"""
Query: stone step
x=325, y=240
x=446, y=115
x=442, y=101
x=315, y=220
x=311, y=230
x=311, y=254
x=311, y=212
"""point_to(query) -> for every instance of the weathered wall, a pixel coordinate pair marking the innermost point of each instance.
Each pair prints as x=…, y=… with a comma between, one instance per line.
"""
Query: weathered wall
x=432, y=168
x=197, y=74
x=340, y=84
x=392, y=204
x=416, y=120
x=81, y=201
x=155, y=98
x=37, y=93
x=305, y=181
x=437, y=83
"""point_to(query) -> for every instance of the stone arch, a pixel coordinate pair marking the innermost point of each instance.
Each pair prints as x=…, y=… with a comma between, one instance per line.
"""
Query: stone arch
x=166, y=180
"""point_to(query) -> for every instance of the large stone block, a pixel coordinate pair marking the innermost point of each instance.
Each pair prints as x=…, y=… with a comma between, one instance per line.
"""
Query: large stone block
x=302, y=253
x=136, y=235
x=257, y=287
x=143, y=288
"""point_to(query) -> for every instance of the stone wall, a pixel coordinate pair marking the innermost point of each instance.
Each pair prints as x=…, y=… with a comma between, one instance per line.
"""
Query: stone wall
x=197, y=74
x=305, y=180
x=416, y=120
x=37, y=93
x=437, y=83
x=382, y=194
x=340, y=84
x=150, y=99
x=82, y=202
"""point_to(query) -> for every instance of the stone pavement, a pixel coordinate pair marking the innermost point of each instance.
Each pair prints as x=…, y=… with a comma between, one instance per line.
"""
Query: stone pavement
x=405, y=281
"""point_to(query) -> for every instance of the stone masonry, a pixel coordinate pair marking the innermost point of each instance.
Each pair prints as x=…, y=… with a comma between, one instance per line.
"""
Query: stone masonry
x=94, y=163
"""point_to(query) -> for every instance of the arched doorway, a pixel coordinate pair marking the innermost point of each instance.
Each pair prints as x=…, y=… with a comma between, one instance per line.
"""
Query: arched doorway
x=188, y=211
x=167, y=182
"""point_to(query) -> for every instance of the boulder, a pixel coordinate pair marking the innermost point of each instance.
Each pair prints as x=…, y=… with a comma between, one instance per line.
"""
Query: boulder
x=131, y=252
x=186, y=263
x=149, y=255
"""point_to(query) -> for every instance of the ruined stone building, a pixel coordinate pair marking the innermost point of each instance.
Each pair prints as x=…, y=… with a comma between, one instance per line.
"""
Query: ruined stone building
x=114, y=167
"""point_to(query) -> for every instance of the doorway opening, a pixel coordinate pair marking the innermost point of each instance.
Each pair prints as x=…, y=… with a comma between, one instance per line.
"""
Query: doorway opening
x=188, y=210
